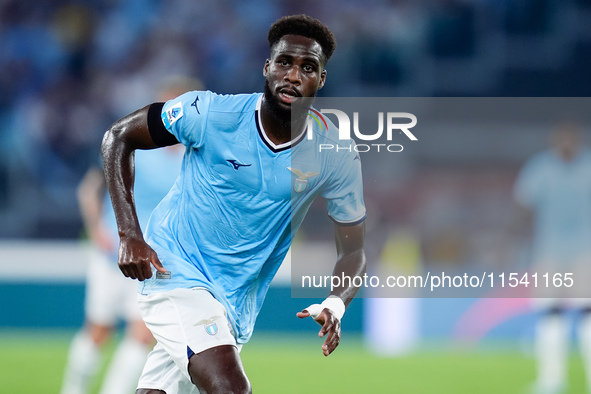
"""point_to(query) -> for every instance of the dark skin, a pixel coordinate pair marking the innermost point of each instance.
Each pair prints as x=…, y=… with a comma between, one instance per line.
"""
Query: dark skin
x=294, y=70
x=351, y=262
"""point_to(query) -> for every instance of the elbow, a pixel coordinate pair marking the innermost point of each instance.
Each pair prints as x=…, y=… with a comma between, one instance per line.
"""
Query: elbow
x=107, y=143
x=362, y=261
x=112, y=139
x=128, y=134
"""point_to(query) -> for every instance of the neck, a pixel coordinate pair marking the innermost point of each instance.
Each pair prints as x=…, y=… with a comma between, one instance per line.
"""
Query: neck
x=281, y=128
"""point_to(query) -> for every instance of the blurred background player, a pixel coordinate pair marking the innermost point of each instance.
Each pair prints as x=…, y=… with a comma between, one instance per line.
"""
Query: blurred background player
x=109, y=295
x=554, y=187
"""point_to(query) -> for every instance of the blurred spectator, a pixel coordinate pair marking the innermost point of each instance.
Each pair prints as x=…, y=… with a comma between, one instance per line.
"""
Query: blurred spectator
x=555, y=187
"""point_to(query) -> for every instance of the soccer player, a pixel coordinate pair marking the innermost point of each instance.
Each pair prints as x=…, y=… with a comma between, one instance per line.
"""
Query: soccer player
x=109, y=295
x=555, y=187
x=219, y=236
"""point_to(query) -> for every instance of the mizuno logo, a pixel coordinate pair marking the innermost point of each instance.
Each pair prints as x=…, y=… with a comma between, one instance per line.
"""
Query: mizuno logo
x=237, y=165
x=195, y=105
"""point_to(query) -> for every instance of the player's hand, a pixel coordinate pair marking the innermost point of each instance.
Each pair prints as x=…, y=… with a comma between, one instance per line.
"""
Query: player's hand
x=135, y=257
x=331, y=328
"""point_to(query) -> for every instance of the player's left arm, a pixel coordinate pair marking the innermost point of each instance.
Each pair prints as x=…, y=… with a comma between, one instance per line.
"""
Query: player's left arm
x=350, y=262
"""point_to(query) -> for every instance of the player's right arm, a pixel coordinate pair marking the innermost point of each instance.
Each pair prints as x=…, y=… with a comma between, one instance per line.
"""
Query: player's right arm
x=119, y=144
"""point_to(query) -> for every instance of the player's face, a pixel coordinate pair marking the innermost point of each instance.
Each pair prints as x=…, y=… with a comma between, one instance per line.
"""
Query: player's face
x=294, y=69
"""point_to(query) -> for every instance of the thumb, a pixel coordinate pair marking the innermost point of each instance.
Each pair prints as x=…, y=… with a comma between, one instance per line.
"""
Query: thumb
x=303, y=314
x=314, y=310
x=156, y=263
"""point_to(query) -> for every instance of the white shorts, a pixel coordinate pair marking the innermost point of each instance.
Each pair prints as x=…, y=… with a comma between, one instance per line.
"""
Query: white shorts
x=552, y=294
x=110, y=296
x=184, y=322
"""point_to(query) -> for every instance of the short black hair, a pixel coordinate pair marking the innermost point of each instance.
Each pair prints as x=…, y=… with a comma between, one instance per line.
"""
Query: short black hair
x=303, y=25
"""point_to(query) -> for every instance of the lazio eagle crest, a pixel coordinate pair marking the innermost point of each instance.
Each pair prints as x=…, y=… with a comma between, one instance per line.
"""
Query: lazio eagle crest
x=210, y=325
x=211, y=329
x=301, y=181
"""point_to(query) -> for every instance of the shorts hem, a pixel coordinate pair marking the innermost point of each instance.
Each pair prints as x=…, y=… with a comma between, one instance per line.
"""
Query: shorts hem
x=151, y=386
x=202, y=349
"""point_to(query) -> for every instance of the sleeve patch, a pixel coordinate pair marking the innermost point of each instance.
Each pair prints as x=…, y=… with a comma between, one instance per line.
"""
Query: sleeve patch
x=172, y=114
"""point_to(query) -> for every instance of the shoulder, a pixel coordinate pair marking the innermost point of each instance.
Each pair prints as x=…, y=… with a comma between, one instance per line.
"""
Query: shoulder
x=201, y=107
x=323, y=131
x=206, y=99
x=583, y=162
x=329, y=141
x=585, y=154
x=540, y=160
x=233, y=102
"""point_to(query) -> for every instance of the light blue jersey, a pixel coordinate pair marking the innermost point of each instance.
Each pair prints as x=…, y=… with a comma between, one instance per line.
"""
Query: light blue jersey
x=155, y=173
x=227, y=223
x=559, y=193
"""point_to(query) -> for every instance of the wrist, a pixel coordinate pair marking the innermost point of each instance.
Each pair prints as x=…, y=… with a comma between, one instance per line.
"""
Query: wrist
x=131, y=234
x=336, y=305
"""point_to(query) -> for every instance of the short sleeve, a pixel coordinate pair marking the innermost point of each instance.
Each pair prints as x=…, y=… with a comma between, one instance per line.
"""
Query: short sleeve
x=344, y=191
x=185, y=117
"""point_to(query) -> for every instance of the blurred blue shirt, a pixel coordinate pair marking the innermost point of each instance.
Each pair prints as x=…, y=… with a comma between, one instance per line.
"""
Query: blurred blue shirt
x=559, y=194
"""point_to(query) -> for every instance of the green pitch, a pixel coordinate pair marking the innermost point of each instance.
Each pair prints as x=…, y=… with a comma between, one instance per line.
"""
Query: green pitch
x=32, y=362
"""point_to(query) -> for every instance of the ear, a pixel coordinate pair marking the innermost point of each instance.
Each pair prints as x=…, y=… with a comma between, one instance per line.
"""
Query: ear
x=322, y=79
x=266, y=67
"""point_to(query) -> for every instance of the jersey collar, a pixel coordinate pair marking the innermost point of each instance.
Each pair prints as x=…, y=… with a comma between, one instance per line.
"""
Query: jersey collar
x=263, y=134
